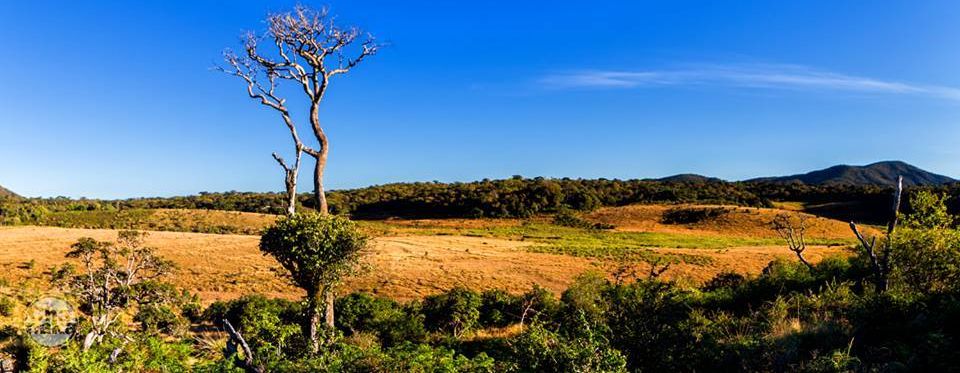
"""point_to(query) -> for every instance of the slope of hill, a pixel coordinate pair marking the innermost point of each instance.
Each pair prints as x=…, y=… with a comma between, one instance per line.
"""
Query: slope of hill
x=880, y=173
x=4, y=192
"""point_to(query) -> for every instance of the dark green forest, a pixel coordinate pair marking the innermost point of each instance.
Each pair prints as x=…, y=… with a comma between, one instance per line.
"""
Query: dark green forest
x=514, y=197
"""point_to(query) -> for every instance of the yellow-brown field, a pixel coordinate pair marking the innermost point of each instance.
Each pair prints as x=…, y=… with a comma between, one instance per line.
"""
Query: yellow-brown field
x=408, y=260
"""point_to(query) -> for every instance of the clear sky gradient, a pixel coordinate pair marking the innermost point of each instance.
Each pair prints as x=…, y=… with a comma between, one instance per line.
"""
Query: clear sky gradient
x=116, y=100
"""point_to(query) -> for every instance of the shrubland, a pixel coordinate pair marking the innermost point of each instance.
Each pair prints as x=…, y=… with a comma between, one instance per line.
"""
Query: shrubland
x=826, y=317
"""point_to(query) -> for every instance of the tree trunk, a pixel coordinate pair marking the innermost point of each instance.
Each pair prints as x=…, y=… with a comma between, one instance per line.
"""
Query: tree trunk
x=290, y=178
x=318, y=193
x=291, y=182
x=313, y=318
x=321, y=154
x=291, y=202
x=88, y=340
x=328, y=315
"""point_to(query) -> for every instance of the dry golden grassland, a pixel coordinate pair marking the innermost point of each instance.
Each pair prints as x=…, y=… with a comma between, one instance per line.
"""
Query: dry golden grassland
x=413, y=258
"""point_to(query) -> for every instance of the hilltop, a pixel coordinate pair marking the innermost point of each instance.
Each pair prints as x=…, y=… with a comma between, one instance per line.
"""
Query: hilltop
x=688, y=178
x=880, y=173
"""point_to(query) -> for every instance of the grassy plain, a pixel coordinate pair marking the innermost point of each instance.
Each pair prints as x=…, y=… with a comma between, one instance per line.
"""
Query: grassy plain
x=412, y=258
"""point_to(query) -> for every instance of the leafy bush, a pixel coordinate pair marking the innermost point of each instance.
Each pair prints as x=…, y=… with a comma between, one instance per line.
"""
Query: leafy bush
x=927, y=261
x=724, y=280
x=538, y=349
x=646, y=321
x=928, y=211
x=318, y=251
x=7, y=306
x=538, y=303
x=142, y=354
x=566, y=218
x=158, y=319
x=692, y=215
x=498, y=308
x=392, y=323
x=456, y=311
x=424, y=358
x=271, y=326
x=583, y=303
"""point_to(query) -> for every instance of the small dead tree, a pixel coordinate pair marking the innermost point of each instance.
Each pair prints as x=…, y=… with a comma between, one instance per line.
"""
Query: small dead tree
x=236, y=340
x=657, y=268
x=112, y=274
x=880, y=256
x=308, y=49
x=627, y=270
x=793, y=231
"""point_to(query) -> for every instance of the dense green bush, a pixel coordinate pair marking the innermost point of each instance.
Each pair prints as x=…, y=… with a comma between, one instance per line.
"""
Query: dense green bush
x=456, y=311
x=317, y=251
x=391, y=322
x=272, y=327
x=538, y=349
x=499, y=308
x=928, y=210
x=692, y=215
x=158, y=319
x=567, y=218
x=141, y=354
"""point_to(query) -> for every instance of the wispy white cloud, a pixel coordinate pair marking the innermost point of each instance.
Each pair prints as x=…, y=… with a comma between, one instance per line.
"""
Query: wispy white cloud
x=791, y=77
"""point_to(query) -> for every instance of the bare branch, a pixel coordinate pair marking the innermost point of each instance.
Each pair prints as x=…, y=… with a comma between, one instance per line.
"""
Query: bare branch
x=656, y=269
x=236, y=337
x=869, y=248
x=894, y=219
x=281, y=162
x=794, y=232
x=881, y=265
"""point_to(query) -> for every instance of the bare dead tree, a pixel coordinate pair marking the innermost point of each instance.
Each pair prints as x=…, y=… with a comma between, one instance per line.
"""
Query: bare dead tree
x=657, y=268
x=880, y=262
x=111, y=274
x=627, y=271
x=262, y=86
x=794, y=232
x=307, y=48
x=527, y=308
x=290, y=180
x=236, y=340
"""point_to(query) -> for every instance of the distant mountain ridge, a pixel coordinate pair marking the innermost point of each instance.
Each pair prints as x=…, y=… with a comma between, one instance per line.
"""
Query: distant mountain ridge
x=880, y=173
x=688, y=178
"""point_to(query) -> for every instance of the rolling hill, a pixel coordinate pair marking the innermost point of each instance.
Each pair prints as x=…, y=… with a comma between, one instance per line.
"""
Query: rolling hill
x=688, y=178
x=4, y=192
x=880, y=173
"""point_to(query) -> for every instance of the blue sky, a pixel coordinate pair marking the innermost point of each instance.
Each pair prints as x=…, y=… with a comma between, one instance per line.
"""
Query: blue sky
x=112, y=100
